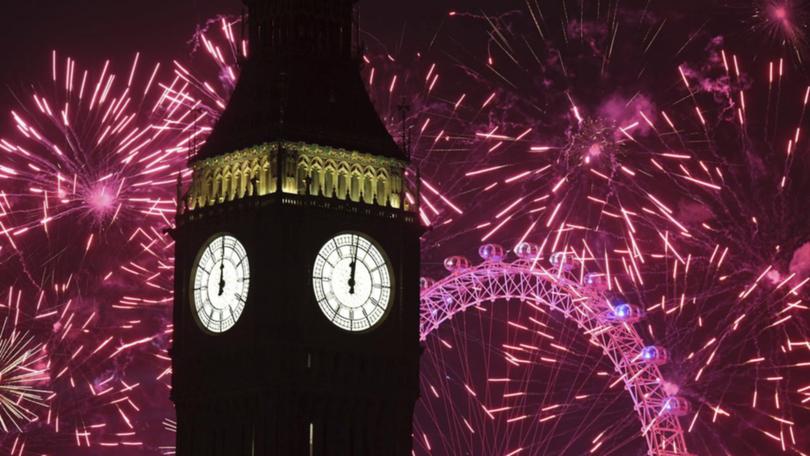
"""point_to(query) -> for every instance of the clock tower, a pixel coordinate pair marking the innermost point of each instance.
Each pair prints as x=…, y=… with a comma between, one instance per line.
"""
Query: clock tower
x=296, y=310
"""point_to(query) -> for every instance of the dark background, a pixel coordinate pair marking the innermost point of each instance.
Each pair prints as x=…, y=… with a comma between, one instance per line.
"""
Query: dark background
x=92, y=31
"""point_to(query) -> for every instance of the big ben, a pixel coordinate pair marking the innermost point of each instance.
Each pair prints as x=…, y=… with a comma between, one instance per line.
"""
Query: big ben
x=296, y=305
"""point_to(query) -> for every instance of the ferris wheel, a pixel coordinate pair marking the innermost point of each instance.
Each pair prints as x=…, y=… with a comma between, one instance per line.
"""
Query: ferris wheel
x=602, y=318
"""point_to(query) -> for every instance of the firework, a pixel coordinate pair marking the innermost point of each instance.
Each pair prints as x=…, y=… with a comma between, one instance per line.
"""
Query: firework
x=94, y=155
x=747, y=341
x=89, y=184
x=21, y=359
x=782, y=22
x=688, y=200
x=668, y=170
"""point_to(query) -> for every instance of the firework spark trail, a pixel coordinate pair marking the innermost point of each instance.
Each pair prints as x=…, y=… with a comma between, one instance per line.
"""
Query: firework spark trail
x=102, y=167
x=781, y=22
x=646, y=195
x=603, y=191
x=698, y=215
x=48, y=357
x=21, y=368
x=88, y=187
x=745, y=355
x=96, y=371
x=92, y=154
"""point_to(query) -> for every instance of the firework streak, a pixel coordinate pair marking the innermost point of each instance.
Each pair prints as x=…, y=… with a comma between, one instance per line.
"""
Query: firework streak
x=650, y=198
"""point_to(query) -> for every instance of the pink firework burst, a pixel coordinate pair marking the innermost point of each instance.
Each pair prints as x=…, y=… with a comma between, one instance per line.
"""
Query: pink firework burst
x=93, y=154
x=687, y=201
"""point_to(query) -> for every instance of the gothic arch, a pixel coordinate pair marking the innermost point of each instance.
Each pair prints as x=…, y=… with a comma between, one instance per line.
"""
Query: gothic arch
x=255, y=179
x=330, y=178
x=382, y=187
x=343, y=180
x=301, y=176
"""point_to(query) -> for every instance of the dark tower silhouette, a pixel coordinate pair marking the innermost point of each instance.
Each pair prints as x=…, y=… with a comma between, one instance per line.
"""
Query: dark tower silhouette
x=296, y=311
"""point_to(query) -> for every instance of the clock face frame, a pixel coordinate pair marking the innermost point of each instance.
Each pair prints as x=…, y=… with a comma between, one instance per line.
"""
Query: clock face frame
x=220, y=281
x=353, y=298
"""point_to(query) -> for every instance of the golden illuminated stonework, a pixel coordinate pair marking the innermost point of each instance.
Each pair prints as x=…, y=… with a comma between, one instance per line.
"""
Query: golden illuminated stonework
x=305, y=170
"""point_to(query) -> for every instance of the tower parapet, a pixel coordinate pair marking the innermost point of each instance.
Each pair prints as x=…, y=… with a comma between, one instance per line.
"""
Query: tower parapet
x=306, y=170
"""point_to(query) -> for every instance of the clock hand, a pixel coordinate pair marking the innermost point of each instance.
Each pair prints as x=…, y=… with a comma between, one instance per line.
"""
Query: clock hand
x=353, y=266
x=222, y=271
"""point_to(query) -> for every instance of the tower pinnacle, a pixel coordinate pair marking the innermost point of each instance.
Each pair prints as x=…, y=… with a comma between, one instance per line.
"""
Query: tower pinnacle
x=301, y=83
x=325, y=29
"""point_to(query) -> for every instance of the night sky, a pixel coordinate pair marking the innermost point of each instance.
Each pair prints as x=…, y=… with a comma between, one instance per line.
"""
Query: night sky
x=92, y=30
x=536, y=94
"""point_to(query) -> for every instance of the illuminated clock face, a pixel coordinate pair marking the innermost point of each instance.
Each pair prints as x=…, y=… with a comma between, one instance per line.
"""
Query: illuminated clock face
x=220, y=280
x=352, y=282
